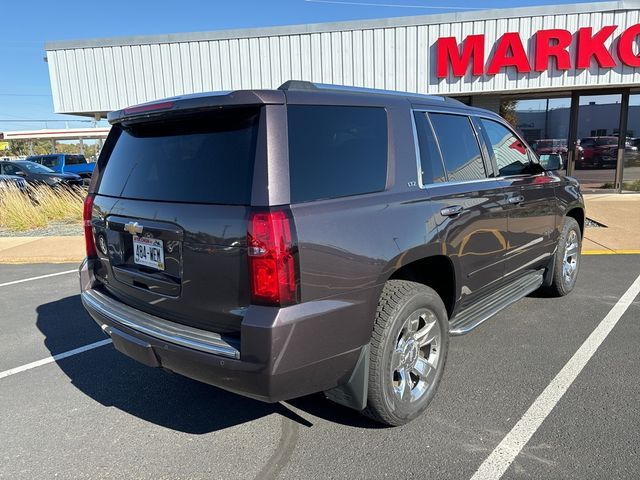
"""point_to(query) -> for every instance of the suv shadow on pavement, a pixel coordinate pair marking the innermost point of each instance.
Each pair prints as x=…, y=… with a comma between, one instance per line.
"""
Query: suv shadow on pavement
x=156, y=395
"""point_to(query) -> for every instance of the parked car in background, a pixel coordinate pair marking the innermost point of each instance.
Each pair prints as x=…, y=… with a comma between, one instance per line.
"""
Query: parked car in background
x=37, y=174
x=597, y=152
x=7, y=181
x=66, y=163
x=551, y=146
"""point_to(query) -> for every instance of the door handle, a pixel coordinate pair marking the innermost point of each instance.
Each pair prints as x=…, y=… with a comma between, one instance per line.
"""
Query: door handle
x=452, y=211
x=516, y=199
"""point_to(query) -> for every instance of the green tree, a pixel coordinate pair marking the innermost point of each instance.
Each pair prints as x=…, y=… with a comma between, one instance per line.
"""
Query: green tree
x=508, y=112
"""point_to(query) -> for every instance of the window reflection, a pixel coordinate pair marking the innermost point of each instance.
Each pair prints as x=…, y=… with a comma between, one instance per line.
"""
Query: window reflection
x=543, y=122
x=631, y=174
x=598, y=135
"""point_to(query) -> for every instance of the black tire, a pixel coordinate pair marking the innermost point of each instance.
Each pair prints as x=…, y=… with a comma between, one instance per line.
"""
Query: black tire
x=401, y=303
x=562, y=284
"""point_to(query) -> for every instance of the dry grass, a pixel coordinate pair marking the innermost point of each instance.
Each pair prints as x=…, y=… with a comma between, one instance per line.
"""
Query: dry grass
x=20, y=211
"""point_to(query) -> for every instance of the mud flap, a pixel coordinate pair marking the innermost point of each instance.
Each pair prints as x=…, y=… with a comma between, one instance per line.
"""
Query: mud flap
x=353, y=394
x=549, y=271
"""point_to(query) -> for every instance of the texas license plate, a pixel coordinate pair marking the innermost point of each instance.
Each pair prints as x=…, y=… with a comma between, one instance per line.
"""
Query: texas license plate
x=148, y=252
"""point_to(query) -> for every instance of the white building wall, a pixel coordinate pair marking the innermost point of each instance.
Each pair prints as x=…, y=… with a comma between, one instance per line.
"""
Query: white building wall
x=395, y=54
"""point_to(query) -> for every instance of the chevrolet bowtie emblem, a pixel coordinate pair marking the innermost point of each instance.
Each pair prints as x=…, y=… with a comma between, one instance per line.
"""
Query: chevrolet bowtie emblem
x=133, y=228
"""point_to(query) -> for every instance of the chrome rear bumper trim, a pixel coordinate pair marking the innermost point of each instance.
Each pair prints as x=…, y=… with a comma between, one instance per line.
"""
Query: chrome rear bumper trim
x=101, y=305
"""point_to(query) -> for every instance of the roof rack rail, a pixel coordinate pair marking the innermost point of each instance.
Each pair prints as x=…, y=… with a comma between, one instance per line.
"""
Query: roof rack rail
x=306, y=85
x=297, y=85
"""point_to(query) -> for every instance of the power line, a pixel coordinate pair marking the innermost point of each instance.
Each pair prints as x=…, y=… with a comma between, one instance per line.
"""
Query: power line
x=25, y=94
x=394, y=5
x=13, y=120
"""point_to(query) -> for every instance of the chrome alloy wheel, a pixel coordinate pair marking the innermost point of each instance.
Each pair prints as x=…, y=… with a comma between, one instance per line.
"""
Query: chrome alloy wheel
x=570, y=261
x=415, y=358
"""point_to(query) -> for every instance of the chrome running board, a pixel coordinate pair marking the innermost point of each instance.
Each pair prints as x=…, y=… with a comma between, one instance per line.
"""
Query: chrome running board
x=474, y=315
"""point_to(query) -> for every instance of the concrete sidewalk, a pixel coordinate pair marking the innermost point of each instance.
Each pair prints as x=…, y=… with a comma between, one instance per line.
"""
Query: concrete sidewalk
x=41, y=249
x=620, y=213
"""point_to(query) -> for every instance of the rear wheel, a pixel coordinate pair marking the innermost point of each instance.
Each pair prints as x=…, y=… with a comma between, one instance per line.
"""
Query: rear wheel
x=567, y=258
x=408, y=351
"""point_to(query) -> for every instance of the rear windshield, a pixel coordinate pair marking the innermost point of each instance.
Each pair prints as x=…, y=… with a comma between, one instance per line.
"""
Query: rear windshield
x=74, y=159
x=206, y=158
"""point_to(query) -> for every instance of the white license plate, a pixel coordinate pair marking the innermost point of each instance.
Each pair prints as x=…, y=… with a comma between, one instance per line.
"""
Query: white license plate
x=148, y=252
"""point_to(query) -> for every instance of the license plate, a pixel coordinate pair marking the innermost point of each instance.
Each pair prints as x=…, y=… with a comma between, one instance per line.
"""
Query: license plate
x=148, y=252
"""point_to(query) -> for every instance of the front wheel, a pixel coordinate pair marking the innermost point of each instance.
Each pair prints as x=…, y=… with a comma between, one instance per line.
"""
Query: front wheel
x=409, y=347
x=567, y=259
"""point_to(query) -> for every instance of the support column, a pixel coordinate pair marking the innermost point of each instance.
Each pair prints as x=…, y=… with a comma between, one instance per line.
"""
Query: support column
x=622, y=140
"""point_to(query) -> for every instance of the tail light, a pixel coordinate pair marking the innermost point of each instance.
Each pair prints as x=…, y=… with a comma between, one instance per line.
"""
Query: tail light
x=272, y=254
x=88, y=230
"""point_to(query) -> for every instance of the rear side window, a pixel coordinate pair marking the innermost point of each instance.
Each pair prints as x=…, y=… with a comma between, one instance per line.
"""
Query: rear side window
x=74, y=160
x=206, y=158
x=510, y=153
x=459, y=146
x=431, y=168
x=336, y=151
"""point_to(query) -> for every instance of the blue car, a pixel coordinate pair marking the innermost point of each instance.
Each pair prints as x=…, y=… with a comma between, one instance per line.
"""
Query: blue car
x=66, y=163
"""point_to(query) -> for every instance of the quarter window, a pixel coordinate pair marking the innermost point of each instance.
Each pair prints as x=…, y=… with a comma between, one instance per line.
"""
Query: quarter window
x=336, y=151
x=431, y=167
x=509, y=151
x=459, y=146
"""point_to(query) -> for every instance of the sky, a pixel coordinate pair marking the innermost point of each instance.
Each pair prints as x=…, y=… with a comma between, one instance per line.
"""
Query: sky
x=25, y=92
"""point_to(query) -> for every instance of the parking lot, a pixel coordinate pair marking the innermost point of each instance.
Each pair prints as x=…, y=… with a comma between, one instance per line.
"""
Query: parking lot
x=98, y=414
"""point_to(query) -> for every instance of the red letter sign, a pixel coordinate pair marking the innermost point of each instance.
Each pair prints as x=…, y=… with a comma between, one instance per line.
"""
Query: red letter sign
x=544, y=49
x=593, y=46
x=509, y=42
x=625, y=46
x=448, y=52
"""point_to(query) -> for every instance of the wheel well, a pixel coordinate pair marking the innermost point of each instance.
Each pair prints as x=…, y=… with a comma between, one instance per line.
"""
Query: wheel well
x=578, y=215
x=435, y=272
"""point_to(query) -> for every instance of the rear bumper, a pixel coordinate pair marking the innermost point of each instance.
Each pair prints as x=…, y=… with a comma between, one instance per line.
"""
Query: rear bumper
x=283, y=352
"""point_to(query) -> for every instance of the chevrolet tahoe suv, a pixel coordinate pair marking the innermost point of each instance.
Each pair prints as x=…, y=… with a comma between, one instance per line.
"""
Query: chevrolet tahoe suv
x=313, y=238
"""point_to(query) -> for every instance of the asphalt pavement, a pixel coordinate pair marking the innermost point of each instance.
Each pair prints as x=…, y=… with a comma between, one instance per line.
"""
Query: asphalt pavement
x=98, y=414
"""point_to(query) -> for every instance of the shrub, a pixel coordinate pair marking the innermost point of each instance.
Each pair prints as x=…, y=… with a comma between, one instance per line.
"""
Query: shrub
x=39, y=205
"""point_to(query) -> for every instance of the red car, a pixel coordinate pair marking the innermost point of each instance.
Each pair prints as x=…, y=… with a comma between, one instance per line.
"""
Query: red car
x=596, y=152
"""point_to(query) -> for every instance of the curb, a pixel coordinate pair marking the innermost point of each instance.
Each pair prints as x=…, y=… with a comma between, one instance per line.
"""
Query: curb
x=33, y=260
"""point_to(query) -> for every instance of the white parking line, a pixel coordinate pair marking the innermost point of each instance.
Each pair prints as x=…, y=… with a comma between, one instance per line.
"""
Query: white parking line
x=54, y=358
x=508, y=449
x=6, y=284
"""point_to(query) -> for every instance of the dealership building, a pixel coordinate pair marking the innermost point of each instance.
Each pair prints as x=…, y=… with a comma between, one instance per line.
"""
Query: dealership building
x=564, y=75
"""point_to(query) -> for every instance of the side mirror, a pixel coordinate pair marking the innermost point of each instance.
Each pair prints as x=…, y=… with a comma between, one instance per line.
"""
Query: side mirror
x=20, y=173
x=551, y=162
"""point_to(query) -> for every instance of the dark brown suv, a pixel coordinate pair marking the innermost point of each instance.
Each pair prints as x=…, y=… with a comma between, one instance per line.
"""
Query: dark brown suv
x=277, y=243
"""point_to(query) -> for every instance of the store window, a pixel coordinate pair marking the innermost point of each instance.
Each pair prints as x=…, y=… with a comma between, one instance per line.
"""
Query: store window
x=598, y=132
x=631, y=173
